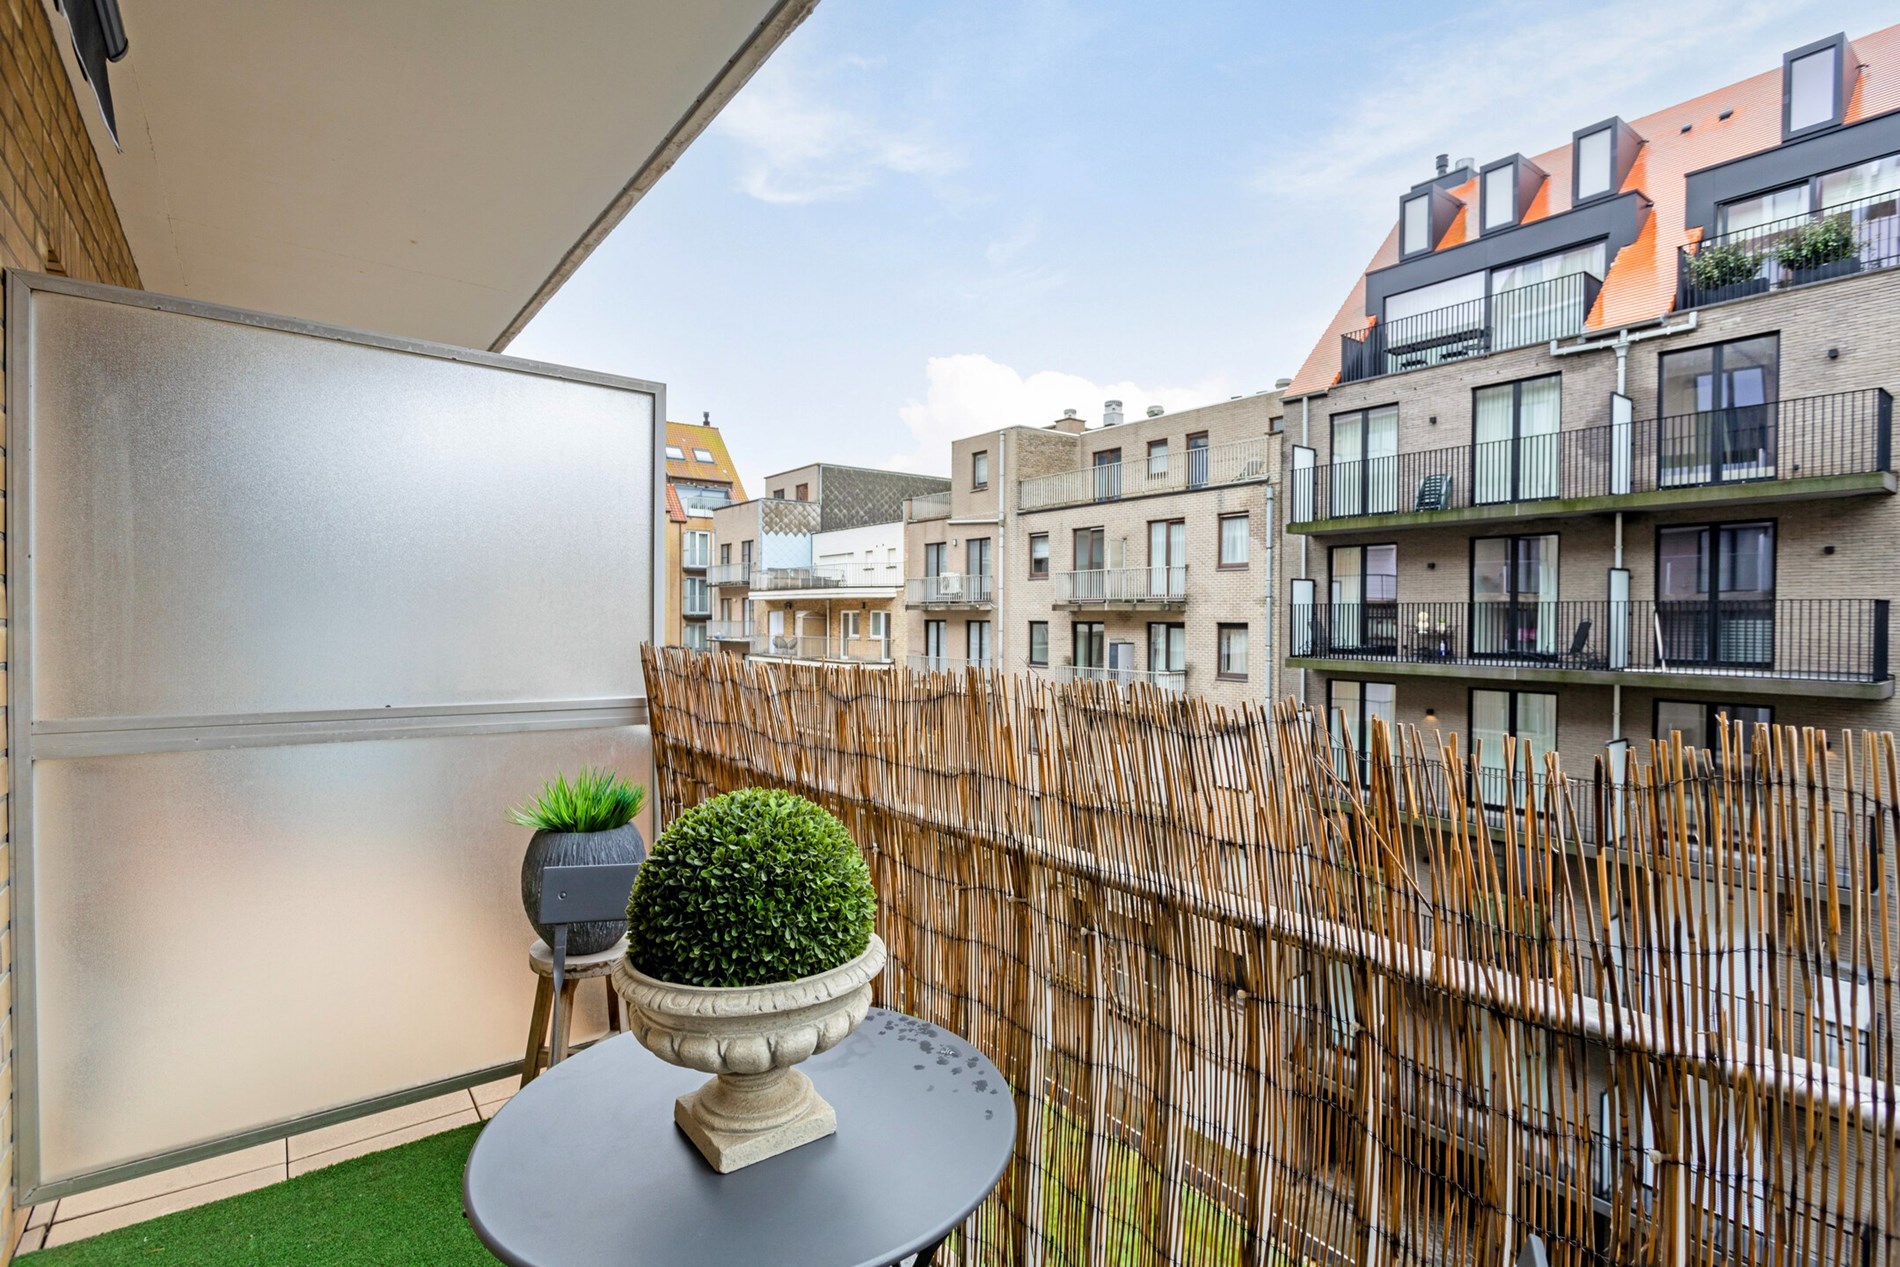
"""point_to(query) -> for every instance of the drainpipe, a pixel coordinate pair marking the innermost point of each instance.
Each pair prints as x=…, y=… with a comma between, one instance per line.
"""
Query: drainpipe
x=1267, y=656
x=1306, y=542
x=999, y=563
x=1622, y=389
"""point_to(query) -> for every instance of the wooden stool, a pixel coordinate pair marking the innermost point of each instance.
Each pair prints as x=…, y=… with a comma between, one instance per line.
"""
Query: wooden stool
x=541, y=1045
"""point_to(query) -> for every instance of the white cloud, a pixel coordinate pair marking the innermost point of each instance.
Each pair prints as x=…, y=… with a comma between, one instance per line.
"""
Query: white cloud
x=1508, y=78
x=796, y=146
x=969, y=393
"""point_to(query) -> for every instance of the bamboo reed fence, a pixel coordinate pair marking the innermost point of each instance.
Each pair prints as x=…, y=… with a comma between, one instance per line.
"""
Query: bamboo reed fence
x=1266, y=1000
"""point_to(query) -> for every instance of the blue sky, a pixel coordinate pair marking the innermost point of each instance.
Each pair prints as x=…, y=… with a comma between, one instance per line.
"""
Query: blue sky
x=923, y=218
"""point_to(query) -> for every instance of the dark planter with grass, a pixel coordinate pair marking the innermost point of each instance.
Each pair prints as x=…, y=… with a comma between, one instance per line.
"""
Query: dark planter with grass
x=1833, y=268
x=585, y=822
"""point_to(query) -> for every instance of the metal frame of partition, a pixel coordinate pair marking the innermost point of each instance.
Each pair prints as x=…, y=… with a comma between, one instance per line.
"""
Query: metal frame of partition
x=30, y=739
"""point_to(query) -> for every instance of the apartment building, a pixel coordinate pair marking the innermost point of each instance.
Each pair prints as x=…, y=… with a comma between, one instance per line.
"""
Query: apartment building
x=1134, y=551
x=1599, y=447
x=815, y=571
x=700, y=476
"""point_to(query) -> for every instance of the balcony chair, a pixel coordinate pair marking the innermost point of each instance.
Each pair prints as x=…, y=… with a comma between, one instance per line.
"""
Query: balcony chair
x=573, y=895
x=1579, y=656
x=1434, y=493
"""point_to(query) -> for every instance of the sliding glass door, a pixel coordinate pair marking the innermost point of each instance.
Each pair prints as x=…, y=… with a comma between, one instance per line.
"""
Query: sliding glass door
x=1515, y=427
x=1715, y=595
x=1514, y=596
x=1530, y=717
x=1719, y=413
x=1365, y=462
x=1364, y=598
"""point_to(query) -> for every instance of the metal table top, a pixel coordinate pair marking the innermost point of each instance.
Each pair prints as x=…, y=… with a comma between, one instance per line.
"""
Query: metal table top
x=585, y=1168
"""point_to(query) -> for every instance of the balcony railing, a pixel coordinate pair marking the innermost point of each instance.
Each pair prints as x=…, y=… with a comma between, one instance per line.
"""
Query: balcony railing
x=823, y=647
x=829, y=576
x=729, y=574
x=951, y=589
x=1555, y=309
x=927, y=506
x=1173, y=681
x=1180, y=470
x=927, y=663
x=1160, y=585
x=1837, y=241
x=729, y=629
x=1847, y=433
x=1797, y=639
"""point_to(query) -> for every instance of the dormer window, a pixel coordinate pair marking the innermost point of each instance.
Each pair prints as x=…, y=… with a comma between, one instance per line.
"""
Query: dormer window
x=1505, y=190
x=1593, y=164
x=1601, y=156
x=1814, y=86
x=1418, y=225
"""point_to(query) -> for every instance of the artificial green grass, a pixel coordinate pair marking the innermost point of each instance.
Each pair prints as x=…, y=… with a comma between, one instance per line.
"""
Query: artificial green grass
x=398, y=1207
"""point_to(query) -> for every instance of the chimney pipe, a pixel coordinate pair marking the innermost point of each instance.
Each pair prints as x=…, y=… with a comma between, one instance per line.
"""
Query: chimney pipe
x=1155, y=411
x=1444, y=164
x=1111, y=413
x=706, y=418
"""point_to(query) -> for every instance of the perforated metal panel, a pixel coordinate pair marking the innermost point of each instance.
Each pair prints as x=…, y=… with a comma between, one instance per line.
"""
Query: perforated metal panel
x=296, y=613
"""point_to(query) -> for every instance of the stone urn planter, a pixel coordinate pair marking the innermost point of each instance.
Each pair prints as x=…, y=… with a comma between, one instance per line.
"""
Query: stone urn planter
x=750, y=1038
x=577, y=849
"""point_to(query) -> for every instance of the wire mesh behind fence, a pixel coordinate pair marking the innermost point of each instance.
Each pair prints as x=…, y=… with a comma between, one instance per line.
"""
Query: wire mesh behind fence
x=1266, y=1000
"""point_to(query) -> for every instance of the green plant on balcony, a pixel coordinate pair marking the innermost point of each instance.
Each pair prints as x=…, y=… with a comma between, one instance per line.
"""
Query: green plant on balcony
x=586, y=820
x=753, y=887
x=1816, y=244
x=1723, y=265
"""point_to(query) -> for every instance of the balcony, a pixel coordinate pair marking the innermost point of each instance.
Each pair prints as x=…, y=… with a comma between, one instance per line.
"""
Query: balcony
x=927, y=663
x=833, y=580
x=1129, y=589
x=1838, y=241
x=1833, y=647
x=950, y=589
x=1182, y=470
x=729, y=630
x=926, y=506
x=823, y=647
x=1172, y=681
x=1839, y=445
x=1555, y=309
x=739, y=574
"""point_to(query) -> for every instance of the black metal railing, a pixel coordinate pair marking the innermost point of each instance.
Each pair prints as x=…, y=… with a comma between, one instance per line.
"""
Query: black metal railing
x=1846, y=433
x=1806, y=639
x=1836, y=241
x=1508, y=319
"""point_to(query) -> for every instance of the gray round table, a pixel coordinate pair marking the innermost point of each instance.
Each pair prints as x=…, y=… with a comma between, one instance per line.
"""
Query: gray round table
x=584, y=1167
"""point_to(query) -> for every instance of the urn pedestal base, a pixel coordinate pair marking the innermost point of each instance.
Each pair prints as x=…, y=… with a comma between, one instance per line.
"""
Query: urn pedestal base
x=738, y=1119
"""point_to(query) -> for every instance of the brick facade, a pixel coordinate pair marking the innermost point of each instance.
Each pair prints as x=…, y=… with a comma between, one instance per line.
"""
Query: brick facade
x=55, y=217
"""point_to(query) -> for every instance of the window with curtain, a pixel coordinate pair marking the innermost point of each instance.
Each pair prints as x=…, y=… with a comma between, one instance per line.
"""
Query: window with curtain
x=1039, y=554
x=1751, y=213
x=1157, y=459
x=1530, y=717
x=1233, y=541
x=1039, y=642
x=1353, y=707
x=1365, y=462
x=1515, y=454
x=1167, y=648
x=1231, y=641
x=1363, y=597
x=1530, y=301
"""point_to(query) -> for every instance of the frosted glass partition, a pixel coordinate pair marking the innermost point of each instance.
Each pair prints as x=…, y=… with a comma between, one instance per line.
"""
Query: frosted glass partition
x=296, y=613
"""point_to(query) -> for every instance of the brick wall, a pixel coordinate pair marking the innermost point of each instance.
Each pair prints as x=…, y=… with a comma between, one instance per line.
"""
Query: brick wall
x=55, y=217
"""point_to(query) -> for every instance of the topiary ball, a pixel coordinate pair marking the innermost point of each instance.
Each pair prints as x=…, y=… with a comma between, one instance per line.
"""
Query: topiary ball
x=750, y=888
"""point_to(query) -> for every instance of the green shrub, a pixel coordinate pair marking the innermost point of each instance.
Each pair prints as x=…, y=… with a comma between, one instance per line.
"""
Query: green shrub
x=1714, y=267
x=1816, y=243
x=596, y=800
x=750, y=888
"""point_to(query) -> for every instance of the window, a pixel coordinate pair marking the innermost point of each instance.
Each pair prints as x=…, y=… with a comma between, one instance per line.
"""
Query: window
x=695, y=548
x=1593, y=157
x=676, y=453
x=1167, y=653
x=1157, y=459
x=1514, y=453
x=976, y=556
x=1233, y=541
x=1232, y=643
x=1364, y=598
x=880, y=626
x=1811, y=95
x=976, y=638
x=1108, y=474
x=1500, y=197
x=1088, y=641
x=1467, y=288
x=1039, y=556
x=1416, y=219
x=1578, y=259
x=852, y=621
x=1743, y=214
x=778, y=494
x=1353, y=706
x=725, y=553
x=693, y=636
x=1543, y=299
x=1197, y=460
x=694, y=598
x=1531, y=717
x=803, y=492
x=1039, y=642
x=1715, y=594
x=1866, y=180
x=1514, y=596
x=936, y=554
x=745, y=555
x=1701, y=723
x=1365, y=469
x=934, y=643
x=980, y=469
x=1718, y=414
x=703, y=455
x=1167, y=558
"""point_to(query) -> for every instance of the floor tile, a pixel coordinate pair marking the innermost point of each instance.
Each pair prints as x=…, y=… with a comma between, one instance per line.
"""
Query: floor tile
x=31, y=1238
x=66, y=1231
x=332, y=1137
x=242, y=1162
x=41, y=1214
x=389, y=1139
